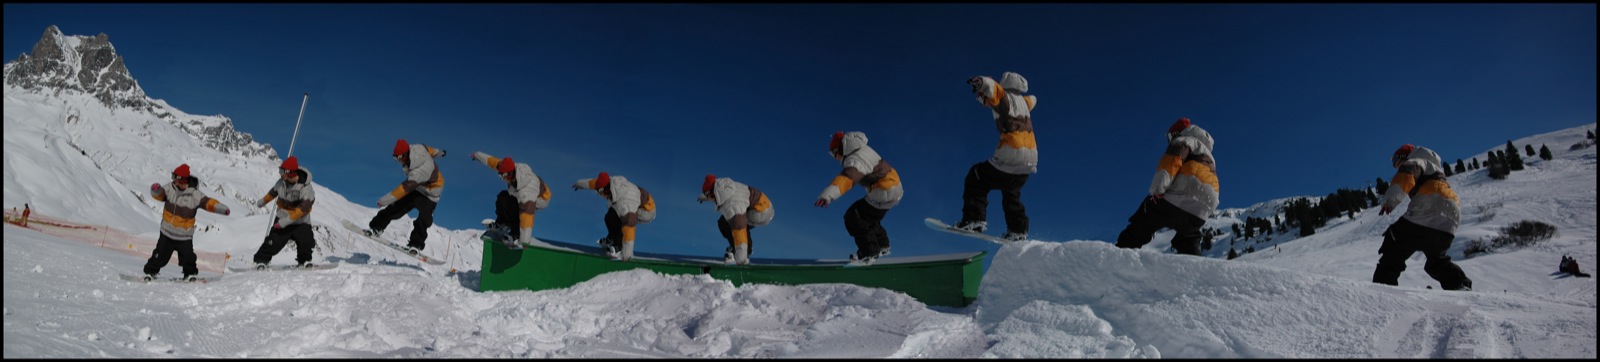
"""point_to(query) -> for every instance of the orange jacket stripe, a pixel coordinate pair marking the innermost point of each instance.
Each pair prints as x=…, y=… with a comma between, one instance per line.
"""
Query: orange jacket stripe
x=627, y=234
x=1170, y=163
x=1202, y=172
x=1404, y=180
x=889, y=180
x=843, y=183
x=1018, y=140
x=762, y=204
x=998, y=93
x=525, y=220
x=741, y=236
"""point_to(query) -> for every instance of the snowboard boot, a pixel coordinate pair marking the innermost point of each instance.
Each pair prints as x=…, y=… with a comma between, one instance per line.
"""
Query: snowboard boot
x=307, y=265
x=188, y=278
x=412, y=251
x=727, y=255
x=149, y=277
x=1015, y=236
x=858, y=259
x=883, y=252
x=972, y=226
x=261, y=266
x=373, y=233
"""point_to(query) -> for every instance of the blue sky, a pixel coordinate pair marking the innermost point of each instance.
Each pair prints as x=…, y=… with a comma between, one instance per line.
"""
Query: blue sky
x=1301, y=98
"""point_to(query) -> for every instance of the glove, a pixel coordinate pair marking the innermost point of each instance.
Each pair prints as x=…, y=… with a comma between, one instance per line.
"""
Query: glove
x=226, y=212
x=701, y=199
x=155, y=187
x=821, y=203
x=474, y=156
x=379, y=203
x=260, y=203
x=275, y=226
x=441, y=152
x=975, y=82
x=1385, y=210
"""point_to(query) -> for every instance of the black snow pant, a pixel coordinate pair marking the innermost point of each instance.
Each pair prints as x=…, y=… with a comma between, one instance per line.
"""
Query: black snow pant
x=865, y=223
x=277, y=238
x=981, y=179
x=1154, y=214
x=507, y=213
x=163, y=253
x=1405, y=238
x=414, y=200
x=727, y=233
x=613, y=228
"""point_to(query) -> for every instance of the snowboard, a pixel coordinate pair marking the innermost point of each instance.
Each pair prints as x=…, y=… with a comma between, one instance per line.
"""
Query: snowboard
x=935, y=224
x=140, y=279
x=397, y=247
x=284, y=267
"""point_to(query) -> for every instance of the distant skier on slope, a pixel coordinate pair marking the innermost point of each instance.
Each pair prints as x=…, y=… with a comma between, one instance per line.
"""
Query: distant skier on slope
x=295, y=196
x=420, y=190
x=1016, y=156
x=1428, y=225
x=1570, y=266
x=629, y=207
x=1182, y=195
x=864, y=219
x=181, y=199
x=26, y=212
x=742, y=209
x=526, y=193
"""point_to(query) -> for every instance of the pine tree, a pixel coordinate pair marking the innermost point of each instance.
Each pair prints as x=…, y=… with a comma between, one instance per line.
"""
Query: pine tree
x=1383, y=186
x=1529, y=148
x=1590, y=134
x=1475, y=163
x=1235, y=230
x=1544, y=153
x=1447, y=171
x=1460, y=166
x=1512, y=160
x=1497, y=170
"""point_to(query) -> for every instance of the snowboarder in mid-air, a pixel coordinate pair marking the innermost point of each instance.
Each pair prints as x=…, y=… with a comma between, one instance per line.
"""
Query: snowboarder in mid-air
x=864, y=219
x=1429, y=224
x=181, y=200
x=1016, y=157
x=294, y=196
x=514, y=208
x=1182, y=195
x=742, y=209
x=629, y=207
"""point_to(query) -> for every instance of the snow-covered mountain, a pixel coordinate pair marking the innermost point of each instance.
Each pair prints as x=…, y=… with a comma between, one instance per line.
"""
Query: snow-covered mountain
x=86, y=148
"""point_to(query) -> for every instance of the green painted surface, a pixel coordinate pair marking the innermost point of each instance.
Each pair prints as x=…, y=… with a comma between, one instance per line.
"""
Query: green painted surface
x=947, y=280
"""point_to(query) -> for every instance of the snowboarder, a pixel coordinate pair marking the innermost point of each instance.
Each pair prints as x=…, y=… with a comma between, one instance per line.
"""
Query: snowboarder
x=630, y=206
x=864, y=219
x=1016, y=156
x=742, y=209
x=420, y=190
x=181, y=200
x=1428, y=225
x=1182, y=195
x=525, y=194
x=26, y=211
x=294, y=196
x=1570, y=266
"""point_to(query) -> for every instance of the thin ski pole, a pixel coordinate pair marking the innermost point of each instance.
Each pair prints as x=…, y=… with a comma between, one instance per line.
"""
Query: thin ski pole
x=272, y=211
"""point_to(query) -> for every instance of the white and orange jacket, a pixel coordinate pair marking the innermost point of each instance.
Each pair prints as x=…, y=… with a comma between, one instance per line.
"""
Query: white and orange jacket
x=632, y=203
x=294, y=200
x=177, y=214
x=530, y=190
x=743, y=206
x=1421, y=178
x=421, y=176
x=863, y=165
x=1017, y=153
x=1187, y=174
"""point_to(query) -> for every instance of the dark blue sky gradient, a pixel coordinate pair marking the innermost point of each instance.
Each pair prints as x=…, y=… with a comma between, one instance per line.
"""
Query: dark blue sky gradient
x=1301, y=98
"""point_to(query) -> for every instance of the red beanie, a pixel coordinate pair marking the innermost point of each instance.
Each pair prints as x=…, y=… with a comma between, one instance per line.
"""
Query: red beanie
x=506, y=165
x=1180, y=125
x=291, y=164
x=837, y=143
x=182, y=171
x=602, y=181
x=401, y=147
x=710, y=180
